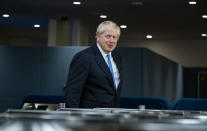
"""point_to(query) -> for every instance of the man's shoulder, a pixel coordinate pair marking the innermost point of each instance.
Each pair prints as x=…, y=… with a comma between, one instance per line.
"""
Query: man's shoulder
x=116, y=52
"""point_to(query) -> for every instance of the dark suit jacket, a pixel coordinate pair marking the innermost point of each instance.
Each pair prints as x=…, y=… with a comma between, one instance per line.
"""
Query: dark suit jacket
x=90, y=83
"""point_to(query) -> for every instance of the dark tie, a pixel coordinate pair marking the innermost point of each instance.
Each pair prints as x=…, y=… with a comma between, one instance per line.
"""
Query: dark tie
x=110, y=67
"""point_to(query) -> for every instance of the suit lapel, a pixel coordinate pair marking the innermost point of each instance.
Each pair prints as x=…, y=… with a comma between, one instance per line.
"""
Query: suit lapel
x=102, y=64
x=117, y=60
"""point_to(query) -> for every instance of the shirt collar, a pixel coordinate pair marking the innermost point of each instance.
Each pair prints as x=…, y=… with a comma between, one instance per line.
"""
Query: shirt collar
x=102, y=51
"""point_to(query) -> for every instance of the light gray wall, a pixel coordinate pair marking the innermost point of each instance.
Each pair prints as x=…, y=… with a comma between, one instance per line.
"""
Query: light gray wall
x=189, y=53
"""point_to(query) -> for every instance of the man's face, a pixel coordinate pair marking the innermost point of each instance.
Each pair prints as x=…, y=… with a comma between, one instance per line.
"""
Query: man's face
x=107, y=40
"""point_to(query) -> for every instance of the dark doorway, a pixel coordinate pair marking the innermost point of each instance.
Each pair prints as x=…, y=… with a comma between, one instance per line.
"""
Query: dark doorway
x=202, y=85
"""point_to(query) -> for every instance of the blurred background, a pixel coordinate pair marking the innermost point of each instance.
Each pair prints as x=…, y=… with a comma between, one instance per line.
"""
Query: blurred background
x=164, y=43
x=178, y=27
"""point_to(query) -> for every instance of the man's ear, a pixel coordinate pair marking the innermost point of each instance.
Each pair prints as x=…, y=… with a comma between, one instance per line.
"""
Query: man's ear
x=97, y=37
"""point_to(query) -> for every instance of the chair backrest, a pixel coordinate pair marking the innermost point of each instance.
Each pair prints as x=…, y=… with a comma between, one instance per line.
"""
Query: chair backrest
x=149, y=102
x=199, y=104
x=44, y=99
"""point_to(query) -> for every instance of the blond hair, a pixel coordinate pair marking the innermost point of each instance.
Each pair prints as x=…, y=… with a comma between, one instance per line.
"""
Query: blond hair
x=108, y=25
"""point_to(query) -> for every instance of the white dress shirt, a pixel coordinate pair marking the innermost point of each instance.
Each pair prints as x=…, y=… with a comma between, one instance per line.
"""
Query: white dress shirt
x=115, y=69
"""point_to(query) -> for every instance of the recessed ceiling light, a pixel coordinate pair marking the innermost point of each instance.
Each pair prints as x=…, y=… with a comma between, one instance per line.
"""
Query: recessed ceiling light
x=36, y=26
x=103, y=16
x=148, y=36
x=76, y=3
x=203, y=35
x=204, y=16
x=123, y=26
x=5, y=15
x=137, y=3
x=192, y=2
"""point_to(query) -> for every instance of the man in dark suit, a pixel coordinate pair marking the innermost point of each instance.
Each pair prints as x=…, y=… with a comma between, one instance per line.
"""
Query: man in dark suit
x=95, y=75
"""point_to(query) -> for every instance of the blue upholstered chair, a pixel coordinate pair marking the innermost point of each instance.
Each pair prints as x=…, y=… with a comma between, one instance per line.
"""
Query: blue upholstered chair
x=44, y=99
x=198, y=104
x=149, y=102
